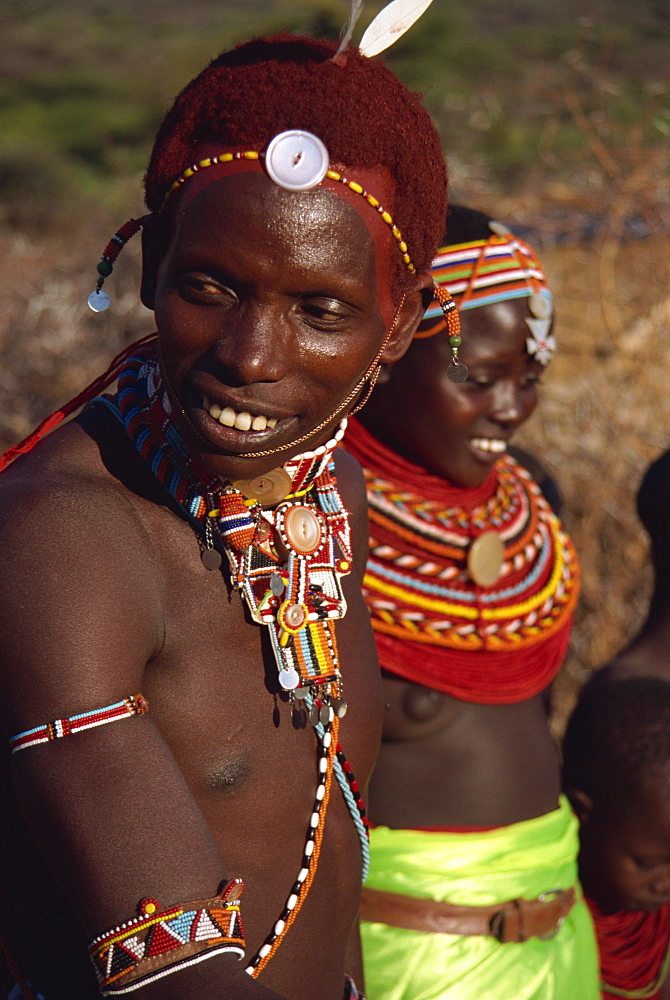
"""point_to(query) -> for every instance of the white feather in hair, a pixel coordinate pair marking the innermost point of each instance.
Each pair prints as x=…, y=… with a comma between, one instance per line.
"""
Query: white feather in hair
x=355, y=8
x=391, y=22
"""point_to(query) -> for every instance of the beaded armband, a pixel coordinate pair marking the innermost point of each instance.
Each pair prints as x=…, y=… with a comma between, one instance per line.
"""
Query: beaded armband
x=157, y=942
x=136, y=704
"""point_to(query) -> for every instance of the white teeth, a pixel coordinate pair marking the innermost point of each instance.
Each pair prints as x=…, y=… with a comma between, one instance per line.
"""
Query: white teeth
x=494, y=445
x=227, y=417
x=243, y=421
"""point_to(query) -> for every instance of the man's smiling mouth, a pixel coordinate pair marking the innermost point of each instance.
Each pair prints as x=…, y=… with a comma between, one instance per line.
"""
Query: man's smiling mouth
x=241, y=420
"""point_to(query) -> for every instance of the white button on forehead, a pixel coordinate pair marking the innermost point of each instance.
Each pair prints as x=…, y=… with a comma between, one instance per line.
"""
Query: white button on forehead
x=296, y=160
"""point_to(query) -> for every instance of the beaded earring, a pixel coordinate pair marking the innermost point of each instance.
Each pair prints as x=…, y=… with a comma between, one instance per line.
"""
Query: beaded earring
x=457, y=371
x=98, y=300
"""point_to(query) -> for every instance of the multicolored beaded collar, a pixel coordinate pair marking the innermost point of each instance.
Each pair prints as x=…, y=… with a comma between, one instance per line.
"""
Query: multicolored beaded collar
x=280, y=534
x=471, y=592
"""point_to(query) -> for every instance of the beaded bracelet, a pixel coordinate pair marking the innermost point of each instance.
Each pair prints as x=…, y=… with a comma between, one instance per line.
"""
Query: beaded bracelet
x=157, y=942
x=136, y=704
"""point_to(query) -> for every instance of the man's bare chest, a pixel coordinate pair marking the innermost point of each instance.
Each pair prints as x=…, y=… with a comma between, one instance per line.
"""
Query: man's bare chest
x=214, y=686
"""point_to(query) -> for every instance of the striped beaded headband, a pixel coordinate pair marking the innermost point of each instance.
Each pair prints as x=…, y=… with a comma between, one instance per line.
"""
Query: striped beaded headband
x=329, y=174
x=296, y=152
x=485, y=271
x=295, y=160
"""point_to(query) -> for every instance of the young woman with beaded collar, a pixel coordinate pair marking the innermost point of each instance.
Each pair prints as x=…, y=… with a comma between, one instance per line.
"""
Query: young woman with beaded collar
x=471, y=583
x=287, y=254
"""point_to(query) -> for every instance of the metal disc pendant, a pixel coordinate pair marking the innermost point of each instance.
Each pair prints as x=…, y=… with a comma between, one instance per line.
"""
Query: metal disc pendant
x=325, y=715
x=211, y=559
x=289, y=678
x=340, y=707
x=314, y=715
x=98, y=301
x=277, y=585
x=457, y=372
x=269, y=488
x=485, y=558
x=301, y=692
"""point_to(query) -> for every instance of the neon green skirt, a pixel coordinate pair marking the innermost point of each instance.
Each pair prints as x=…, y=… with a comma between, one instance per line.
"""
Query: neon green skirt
x=476, y=869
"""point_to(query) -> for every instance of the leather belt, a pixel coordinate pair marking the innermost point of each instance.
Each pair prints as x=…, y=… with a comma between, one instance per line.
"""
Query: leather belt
x=513, y=921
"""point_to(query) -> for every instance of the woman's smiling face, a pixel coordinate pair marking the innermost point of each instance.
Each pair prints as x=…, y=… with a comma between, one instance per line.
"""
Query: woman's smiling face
x=268, y=312
x=458, y=430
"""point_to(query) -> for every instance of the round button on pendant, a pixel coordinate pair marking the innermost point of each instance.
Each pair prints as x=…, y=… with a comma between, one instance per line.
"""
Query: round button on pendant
x=289, y=678
x=269, y=488
x=296, y=160
x=294, y=615
x=303, y=529
x=485, y=558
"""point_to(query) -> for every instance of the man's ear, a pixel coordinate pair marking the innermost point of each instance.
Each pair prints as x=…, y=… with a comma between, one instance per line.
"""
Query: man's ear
x=410, y=313
x=582, y=804
x=154, y=242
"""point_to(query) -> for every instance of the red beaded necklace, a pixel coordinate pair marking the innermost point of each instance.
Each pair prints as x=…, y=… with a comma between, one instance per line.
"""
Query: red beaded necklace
x=634, y=948
x=438, y=620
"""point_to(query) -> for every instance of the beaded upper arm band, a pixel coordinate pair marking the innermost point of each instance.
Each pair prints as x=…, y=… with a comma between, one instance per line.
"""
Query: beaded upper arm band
x=136, y=704
x=158, y=942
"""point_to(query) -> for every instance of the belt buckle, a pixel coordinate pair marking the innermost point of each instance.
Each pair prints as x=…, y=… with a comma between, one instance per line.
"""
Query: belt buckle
x=546, y=897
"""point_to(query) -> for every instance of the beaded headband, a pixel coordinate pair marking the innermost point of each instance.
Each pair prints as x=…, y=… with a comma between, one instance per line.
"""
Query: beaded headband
x=496, y=269
x=295, y=160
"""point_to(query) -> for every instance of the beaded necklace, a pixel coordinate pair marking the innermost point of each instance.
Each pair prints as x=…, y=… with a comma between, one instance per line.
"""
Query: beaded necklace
x=471, y=592
x=279, y=533
x=634, y=948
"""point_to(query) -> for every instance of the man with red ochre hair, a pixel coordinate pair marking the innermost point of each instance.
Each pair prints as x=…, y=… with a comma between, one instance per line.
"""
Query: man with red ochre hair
x=190, y=694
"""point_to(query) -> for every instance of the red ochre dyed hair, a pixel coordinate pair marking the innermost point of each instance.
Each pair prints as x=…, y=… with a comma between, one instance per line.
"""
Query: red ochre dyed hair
x=361, y=111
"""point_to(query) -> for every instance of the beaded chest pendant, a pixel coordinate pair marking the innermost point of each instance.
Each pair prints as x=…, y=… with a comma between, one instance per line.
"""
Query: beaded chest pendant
x=284, y=560
x=285, y=534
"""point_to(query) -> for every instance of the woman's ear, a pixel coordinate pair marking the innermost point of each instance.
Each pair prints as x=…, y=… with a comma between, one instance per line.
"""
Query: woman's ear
x=410, y=312
x=154, y=243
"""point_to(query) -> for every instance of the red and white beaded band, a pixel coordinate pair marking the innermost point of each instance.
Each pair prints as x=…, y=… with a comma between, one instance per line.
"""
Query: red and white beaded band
x=136, y=704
